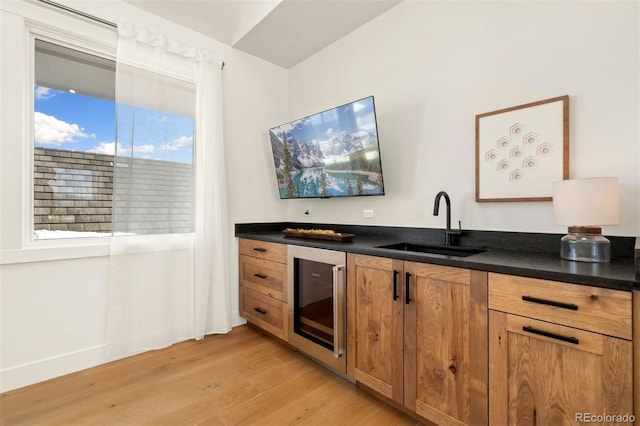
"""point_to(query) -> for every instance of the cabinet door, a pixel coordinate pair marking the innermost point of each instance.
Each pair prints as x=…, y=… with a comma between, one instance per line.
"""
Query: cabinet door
x=446, y=344
x=548, y=374
x=374, y=353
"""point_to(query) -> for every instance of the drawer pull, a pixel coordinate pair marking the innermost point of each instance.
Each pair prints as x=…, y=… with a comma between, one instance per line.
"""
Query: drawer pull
x=562, y=305
x=260, y=249
x=551, y=335
x=262, y=276
x=260, y=310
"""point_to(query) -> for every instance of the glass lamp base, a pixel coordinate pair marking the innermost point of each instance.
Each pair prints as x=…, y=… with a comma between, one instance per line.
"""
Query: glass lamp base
x=585, y=247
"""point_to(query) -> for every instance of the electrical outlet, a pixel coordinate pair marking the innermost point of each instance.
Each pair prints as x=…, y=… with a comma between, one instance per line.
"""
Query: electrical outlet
x=367, y=214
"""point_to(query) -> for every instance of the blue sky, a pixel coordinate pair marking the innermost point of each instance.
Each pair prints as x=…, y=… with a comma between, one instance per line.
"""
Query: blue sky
x=348, y=118
x=69, y=121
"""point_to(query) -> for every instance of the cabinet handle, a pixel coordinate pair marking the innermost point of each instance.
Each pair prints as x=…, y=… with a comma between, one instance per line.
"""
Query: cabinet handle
x=264, y=277
x=551, y=335
x=395, y=284
x=407, y=287
x=562, y=305
x=260, y=249
x=260, y=310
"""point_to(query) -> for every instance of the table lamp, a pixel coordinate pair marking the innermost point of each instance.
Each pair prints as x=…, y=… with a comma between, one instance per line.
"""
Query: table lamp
x=584, y=205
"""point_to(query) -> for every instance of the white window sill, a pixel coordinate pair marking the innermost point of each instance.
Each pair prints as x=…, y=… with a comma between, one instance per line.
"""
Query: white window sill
x=78, y=248
x=52, y=252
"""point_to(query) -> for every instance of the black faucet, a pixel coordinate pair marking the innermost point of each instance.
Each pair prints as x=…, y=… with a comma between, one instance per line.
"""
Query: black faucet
x=448, y=233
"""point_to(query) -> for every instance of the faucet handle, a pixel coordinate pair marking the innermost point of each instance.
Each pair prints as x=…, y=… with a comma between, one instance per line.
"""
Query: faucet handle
x=457, y=231
x=450, y=236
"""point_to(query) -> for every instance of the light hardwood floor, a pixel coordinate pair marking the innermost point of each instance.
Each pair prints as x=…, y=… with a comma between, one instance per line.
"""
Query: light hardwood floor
x=242, y=378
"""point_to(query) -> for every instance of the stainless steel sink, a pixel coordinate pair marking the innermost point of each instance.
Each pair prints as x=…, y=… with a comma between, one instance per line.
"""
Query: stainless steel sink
x=434, y=249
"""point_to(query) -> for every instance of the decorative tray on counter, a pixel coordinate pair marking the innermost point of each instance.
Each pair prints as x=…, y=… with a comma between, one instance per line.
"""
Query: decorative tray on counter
x=319, y=234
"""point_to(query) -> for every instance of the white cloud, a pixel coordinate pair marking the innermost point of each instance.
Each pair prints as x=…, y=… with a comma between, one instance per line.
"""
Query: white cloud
x=48, y=130
x=109, y=148
x=176, y=144
x=167, y=147
x=144, y=148
x=44, y=93
x=183, y=141
x=286, y=127
x=358, y=106
x=106, y=148
x=329, y=131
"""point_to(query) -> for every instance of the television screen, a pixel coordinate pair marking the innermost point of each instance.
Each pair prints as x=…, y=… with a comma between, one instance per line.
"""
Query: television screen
x=334, y=153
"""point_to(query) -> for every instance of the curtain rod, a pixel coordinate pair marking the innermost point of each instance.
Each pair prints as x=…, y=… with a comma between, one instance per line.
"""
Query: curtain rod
x=78, y=12
x=85, y=15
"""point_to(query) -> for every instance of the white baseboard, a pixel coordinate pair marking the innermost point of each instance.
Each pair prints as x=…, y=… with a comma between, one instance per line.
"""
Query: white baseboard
x=49, y=368
x=38, y=371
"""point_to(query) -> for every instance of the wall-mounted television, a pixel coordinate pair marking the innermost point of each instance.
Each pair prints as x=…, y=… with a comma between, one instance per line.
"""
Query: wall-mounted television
x=334, y=153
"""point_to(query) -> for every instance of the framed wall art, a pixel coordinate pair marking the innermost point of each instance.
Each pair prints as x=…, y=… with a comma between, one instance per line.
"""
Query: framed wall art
x=522, y=150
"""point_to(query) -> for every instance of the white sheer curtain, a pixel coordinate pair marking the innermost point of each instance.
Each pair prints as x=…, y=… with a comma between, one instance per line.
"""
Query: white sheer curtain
x=168, y=266
x=213, y=313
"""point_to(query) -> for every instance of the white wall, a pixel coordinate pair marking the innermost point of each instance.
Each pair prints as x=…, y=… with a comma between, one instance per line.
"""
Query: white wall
x=53, y=318
x=257, y=93
x=432, y=66
x=53, y=299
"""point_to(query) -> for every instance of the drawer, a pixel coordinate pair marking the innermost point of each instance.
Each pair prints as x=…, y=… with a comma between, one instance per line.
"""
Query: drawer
x=265, y=312
x=590, y=308
x=264, y=276
x=264, y=250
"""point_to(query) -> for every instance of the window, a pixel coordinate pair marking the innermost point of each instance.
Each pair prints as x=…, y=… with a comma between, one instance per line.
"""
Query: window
x=80, y=152
x=74, y=138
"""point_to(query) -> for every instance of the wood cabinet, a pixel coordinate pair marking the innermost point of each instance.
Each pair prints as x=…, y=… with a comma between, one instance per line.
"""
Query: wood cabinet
x=462, y=347
x=557, y=352
x=375, y=314
x=417, y=334
x=263, y=285
x=446, y=344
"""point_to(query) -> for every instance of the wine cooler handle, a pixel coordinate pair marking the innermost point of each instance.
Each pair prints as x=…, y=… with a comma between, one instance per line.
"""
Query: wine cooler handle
x=338, y=312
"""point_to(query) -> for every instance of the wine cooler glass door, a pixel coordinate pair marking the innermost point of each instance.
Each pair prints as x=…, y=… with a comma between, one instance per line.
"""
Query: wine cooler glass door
x=317, y=303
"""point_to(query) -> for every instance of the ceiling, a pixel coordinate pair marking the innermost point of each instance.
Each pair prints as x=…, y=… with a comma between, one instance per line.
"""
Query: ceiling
x=283, y=32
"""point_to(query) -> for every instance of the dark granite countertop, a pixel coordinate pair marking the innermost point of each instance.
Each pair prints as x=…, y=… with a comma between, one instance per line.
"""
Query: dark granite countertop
x=528, y=255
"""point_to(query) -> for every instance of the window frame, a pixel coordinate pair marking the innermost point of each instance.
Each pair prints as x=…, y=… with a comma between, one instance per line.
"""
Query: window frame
x=36, y=30
x=22, y=22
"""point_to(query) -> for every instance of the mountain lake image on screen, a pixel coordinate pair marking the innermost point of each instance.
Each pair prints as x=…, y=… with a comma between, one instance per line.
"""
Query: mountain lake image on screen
x=334, y=153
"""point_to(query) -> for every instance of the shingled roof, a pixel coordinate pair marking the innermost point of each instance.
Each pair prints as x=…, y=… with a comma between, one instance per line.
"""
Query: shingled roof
x=73, y=191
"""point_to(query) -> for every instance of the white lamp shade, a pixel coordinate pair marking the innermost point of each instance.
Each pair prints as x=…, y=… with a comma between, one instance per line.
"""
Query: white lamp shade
x=586, y=202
